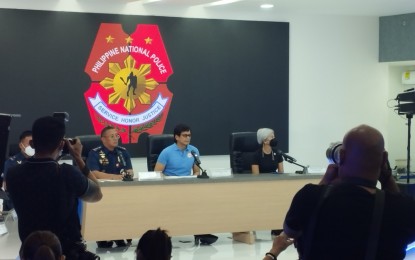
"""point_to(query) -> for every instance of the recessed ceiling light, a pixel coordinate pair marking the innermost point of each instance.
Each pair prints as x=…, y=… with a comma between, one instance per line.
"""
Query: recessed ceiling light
x=267, y=6
x=223, y=2
x=151, y=1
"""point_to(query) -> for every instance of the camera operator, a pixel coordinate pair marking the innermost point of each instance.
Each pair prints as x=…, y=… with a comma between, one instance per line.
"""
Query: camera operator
x=45, y=194
x=337, y=219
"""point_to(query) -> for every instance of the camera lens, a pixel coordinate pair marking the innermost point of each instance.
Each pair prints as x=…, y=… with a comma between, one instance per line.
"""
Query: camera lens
x=333, y=152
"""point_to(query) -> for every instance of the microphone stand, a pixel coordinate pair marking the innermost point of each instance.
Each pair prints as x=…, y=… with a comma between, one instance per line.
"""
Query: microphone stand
x=305, y=168
x=203, y=175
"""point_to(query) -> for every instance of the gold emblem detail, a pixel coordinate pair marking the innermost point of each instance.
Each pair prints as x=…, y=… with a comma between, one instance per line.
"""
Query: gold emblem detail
x=129, y=83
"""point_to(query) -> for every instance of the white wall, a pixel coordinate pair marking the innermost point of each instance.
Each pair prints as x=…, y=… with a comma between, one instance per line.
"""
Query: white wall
x=336, y=81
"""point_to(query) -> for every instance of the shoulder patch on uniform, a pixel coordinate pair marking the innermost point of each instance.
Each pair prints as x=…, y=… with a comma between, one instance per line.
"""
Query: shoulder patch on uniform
x=122, y=148
x=96, y=149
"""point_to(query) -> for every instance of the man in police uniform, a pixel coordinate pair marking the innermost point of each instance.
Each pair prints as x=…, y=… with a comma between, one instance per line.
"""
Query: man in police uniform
x=109, y=161
x=26, y=151
x=112, y=162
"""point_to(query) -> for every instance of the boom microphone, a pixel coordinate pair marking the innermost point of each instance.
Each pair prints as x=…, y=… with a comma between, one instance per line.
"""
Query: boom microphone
x=196, y=157
x=286, y=156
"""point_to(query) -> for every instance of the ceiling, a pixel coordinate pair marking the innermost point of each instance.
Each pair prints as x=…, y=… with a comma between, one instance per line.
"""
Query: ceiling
x=334, y=7
x=243, y=9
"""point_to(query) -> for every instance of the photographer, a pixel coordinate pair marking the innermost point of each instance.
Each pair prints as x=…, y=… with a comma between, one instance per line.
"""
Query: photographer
x=45, y=194
x=346, y=216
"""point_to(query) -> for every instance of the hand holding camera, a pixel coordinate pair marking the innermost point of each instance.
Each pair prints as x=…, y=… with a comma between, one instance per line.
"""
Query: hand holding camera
x=331, y=175
x=385, y=173
x=72, y=147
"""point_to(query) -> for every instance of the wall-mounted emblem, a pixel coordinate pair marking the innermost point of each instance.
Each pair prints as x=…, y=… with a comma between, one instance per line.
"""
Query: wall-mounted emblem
x=129, y=76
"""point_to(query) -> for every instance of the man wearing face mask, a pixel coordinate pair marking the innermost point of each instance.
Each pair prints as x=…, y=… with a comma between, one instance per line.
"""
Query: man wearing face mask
x=266, y=160
x=26, y=151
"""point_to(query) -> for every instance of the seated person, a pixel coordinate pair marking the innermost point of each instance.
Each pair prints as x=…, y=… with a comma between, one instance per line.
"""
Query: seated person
x=41, y=245
x=26, y=151
x=154, y=245
x=177, y=159
x=266, y=160
x=110, y=161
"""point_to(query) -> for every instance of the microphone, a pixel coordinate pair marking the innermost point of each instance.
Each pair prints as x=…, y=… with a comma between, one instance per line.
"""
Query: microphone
x=286, y=156
x=203, y=175
x=196, y=157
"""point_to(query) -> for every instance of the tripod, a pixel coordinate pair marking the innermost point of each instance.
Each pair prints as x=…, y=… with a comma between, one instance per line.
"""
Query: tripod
x=406, y=105
x=408, y=148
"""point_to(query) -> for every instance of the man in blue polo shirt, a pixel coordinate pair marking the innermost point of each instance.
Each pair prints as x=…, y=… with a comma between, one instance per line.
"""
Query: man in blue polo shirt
x=177, y=159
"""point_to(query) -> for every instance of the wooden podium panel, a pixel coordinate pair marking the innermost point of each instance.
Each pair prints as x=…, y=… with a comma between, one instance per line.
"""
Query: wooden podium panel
x=191, y=206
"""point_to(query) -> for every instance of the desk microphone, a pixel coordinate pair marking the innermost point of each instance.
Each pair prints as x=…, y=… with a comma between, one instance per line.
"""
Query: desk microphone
x=286, y=156
x=196, y=157
x=203, y=175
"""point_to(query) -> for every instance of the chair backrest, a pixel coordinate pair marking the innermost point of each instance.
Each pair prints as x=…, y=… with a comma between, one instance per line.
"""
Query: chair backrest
x=89, y=142
x=242, y=147
x=156, y=144
x=13, y=150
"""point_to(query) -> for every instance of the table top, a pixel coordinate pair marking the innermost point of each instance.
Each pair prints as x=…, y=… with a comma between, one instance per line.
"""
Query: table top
x=194, y=180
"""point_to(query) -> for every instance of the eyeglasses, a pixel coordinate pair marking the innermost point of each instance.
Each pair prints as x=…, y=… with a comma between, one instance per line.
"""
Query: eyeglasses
x=186, y=135
x=117, y=136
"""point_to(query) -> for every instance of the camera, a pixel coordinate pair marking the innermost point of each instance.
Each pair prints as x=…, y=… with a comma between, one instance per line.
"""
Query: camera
x=65, y=149
x=333, y=152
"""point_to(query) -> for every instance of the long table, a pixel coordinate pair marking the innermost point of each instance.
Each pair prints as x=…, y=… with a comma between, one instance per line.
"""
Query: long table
x=191, y=206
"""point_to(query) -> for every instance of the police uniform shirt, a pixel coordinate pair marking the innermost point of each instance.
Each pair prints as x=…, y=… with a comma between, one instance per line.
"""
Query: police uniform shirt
x=16, y=159
x=112, y=162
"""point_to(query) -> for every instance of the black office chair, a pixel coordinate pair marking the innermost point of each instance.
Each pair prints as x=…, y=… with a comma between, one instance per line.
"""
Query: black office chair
x=89, y=142
x=242, y=147
x=156, y=144
x=13, y=150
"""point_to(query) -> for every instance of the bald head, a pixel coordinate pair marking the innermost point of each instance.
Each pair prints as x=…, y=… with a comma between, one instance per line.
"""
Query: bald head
x=363, y=153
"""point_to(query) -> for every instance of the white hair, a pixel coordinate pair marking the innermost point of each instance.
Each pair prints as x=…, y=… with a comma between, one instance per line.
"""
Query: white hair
x=262, y=134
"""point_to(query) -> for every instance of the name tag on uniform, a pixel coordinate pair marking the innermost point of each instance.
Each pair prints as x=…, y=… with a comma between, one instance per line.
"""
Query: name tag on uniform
x=144, y=176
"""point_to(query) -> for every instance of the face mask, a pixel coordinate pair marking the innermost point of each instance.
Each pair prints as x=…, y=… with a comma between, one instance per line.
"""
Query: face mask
x=29, y=151
x=273, y=142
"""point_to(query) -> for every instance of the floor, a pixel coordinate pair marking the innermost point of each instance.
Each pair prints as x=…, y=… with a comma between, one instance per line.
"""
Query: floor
x=183, y=247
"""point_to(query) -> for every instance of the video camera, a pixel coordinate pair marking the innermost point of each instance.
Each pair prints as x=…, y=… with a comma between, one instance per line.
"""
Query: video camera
x=333, y=152
x=64, y=116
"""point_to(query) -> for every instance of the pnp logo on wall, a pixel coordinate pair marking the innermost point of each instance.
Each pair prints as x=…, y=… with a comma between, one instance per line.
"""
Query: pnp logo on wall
x=128, y=81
